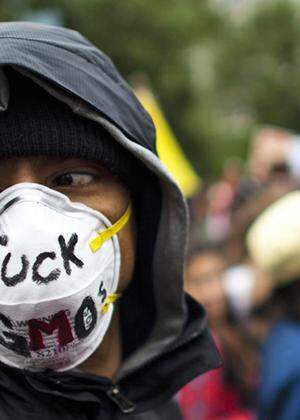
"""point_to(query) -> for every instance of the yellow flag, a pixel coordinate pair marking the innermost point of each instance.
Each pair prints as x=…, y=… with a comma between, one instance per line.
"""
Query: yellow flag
x=168, y=148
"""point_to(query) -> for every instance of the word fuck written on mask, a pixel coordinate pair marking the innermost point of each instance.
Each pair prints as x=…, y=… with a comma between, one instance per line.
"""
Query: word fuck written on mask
x=67, y=254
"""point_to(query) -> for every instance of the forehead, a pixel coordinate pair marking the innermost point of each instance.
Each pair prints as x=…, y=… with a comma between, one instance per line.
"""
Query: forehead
x=205, y=263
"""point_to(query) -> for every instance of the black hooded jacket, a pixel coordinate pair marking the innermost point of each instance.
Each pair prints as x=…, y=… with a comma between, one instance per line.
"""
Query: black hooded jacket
x=175, y=346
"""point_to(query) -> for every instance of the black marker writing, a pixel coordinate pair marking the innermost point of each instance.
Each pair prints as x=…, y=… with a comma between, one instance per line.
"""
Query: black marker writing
x=67, y=252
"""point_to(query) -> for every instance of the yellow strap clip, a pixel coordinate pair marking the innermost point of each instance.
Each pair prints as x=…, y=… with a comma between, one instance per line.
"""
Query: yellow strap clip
x=103, y=236
x=108, y=301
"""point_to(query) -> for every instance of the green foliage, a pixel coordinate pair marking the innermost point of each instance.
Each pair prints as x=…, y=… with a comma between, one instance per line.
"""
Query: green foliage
x=215, y=76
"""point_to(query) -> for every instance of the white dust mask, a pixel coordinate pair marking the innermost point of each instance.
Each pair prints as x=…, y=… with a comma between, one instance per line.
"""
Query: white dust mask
x=59, y=265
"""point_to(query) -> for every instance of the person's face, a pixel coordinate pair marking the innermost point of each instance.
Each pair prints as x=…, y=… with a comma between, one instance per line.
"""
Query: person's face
x=82, y=181
x=203, y=282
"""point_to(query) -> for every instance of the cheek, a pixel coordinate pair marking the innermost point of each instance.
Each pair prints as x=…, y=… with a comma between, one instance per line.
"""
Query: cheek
x=127, y=240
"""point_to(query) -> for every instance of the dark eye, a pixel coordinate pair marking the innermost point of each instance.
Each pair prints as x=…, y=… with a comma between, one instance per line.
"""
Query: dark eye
x=73, y=179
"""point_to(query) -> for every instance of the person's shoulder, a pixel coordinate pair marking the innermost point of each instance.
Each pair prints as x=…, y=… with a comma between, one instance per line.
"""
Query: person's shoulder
x=281, y=348
x=280, y=358
x=282, y=334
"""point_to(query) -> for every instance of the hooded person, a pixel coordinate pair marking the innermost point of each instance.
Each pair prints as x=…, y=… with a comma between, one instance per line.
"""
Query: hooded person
x=94, y=323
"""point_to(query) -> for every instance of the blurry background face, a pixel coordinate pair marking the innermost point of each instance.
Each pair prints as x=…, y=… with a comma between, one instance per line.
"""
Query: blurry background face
x=203, y=282
x=267, y=153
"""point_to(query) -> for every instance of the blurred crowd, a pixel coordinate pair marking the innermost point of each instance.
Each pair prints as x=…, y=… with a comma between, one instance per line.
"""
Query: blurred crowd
x=244, y=267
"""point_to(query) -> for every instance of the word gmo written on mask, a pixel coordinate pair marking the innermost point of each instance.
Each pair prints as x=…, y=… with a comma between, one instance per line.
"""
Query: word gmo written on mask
x=67, y=252
x=59, y=323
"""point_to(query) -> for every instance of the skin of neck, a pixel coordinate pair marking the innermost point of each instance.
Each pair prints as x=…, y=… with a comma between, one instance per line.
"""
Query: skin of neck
x=107, y=358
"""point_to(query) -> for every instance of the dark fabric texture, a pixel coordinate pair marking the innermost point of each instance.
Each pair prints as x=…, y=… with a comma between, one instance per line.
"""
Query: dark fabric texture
x=138, y=323
x=26, y=397
x=22, y=44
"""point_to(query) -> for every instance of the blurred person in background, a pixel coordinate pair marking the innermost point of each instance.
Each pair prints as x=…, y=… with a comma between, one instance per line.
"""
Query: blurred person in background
x=274, y=245
x=202, y=281
x=274, y=150
x=225, y=393
x=249, y=202
x=220, y=196
x=272, y=169
x=94, y=322
x=223, y=208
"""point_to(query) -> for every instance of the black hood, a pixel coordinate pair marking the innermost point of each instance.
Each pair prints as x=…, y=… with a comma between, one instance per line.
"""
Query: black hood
x=74, y=64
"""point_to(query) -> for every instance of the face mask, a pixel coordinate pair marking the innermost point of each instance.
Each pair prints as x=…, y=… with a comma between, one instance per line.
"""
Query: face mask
x=60, y=265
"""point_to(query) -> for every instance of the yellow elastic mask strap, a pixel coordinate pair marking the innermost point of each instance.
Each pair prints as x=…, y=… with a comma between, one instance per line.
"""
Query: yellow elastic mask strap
x=106, y=234
x=108, y=301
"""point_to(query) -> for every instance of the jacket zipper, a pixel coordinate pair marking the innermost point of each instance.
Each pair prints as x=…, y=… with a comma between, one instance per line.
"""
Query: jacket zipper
x=124, y=404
